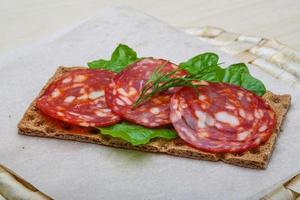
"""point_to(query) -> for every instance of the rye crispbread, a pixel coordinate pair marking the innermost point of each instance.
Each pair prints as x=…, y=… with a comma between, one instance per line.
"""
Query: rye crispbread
x=34, y=123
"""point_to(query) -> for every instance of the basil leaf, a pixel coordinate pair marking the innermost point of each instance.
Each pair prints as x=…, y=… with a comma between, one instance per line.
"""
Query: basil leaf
x=120, y=58
x=98, y=64
x=205, y=67
x=203, y=63
x=215, y=75
x=238, y=74
x=233, y=73
x=253, y=84
x=136, y=134
x=124, y=54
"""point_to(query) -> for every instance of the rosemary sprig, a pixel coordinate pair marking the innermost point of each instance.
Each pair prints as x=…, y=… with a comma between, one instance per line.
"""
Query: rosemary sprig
x=156, y=75
x=160, y=82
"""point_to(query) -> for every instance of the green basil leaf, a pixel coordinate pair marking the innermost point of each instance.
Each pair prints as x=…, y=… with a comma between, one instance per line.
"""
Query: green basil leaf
x=98, y=64
x=232, y=74
x=124, y=54
x=214, y=76
x=136, y=134
x=120, y=58
x=203, y=63
x=205, y=67
x=238, y=74
x=253, y=84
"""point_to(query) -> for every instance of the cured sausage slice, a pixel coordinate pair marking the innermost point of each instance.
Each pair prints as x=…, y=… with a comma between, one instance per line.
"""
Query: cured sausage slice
x=127, y=86
x=221, y=118
x=78, y=98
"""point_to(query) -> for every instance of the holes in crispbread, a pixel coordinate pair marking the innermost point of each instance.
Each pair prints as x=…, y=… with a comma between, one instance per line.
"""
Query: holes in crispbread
x=285, y=106
x=30, y=117
x=237, y=154
x=265, y=157
x=50, y=130
x=254, y=151
x=34, y=108
x=178, y=142
x=39, y=123
x=164, y=145
x=275, y=99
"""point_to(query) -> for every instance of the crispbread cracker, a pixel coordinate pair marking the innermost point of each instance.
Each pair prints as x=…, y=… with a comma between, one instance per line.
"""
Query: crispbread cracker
x=35, y=123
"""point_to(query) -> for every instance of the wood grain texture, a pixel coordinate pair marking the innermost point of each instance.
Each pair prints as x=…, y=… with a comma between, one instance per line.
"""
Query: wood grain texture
x=23, y=22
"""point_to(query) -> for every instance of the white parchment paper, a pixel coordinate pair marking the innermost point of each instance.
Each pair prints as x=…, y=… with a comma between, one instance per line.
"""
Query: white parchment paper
x=72, y=170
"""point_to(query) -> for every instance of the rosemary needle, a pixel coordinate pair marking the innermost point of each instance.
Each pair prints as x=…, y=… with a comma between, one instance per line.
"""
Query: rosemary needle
x=159, y=82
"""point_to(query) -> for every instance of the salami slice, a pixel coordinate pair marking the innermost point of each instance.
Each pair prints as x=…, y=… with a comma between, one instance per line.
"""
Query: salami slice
x=78, y=98
x=126, y=88
x=221, y=118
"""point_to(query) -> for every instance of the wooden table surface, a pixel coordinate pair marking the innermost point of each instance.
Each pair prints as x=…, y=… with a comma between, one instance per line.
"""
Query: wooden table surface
x=23, y=22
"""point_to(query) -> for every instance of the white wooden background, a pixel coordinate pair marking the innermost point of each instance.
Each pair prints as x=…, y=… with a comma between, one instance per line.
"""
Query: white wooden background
x=26, y=21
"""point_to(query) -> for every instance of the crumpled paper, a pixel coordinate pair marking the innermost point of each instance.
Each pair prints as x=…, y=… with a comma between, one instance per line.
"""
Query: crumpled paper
x=72, y=170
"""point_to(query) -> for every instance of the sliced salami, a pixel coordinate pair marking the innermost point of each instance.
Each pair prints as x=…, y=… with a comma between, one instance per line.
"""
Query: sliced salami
x=78, y=98
x=126, y=88
x=221, y=118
